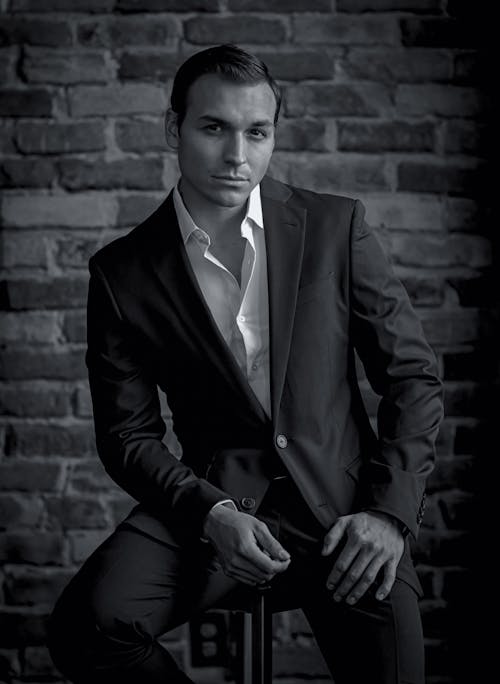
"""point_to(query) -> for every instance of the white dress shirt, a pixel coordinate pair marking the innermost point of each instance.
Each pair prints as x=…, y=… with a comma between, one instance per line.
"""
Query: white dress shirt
x=240, y=313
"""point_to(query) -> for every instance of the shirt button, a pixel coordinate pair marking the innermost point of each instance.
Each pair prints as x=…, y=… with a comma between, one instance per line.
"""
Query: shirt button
x=247, y=503
x=282, y=441
x=241, y=319
x=255, y=366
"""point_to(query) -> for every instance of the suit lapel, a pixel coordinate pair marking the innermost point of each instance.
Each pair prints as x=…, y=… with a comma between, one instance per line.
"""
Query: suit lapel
x=172, y=267
x=284, y=228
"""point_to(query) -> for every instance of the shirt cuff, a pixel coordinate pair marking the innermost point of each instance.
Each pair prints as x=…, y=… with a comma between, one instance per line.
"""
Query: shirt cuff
x=220, y=503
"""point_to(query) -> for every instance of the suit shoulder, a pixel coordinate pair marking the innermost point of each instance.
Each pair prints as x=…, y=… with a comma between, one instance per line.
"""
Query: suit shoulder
x=322, y=200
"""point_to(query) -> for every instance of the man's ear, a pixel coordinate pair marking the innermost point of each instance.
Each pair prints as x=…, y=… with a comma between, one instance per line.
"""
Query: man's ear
x=172, y=129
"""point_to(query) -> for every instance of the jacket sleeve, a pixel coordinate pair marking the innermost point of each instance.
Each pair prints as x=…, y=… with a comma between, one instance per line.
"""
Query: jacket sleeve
x=127, y=416
x=402, y=369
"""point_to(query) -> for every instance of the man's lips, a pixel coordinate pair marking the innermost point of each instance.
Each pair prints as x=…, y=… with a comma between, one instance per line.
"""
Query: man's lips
x=232, y=179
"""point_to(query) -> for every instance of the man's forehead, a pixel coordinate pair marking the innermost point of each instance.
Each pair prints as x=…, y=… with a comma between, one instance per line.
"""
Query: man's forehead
x=219, y=96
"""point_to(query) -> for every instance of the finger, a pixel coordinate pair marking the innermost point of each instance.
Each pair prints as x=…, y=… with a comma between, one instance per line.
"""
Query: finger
x=389, y=579
x=366, y=580
x=342, y=564
x=270, y=544
x=352, y=575
x=333, y=536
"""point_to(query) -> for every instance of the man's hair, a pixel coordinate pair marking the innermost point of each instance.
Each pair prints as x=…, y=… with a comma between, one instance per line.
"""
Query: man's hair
x=228, y=61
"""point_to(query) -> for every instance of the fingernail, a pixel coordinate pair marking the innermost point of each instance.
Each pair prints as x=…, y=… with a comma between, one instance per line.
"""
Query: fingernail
x=380, y=595
x=330, y=586
x=337, y=597
x=351, y=600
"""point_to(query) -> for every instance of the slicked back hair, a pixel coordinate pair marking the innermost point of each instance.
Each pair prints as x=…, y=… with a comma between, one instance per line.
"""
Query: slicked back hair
x=228, y=61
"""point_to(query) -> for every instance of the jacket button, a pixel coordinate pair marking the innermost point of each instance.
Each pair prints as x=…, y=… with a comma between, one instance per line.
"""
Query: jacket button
x=282, y=441
x=247, y=503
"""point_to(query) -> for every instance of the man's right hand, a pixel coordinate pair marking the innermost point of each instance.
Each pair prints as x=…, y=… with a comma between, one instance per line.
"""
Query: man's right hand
x=245, y=547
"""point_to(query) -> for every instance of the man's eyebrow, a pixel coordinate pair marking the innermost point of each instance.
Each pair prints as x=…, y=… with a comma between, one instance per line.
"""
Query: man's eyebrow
x=218, y=120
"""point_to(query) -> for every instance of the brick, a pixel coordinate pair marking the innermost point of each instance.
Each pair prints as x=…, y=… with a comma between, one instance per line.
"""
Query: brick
x=7, y=132
x=32, y=102
x=148, y=65
x=20, y=628
x=20, y=509
x=75, y=326
x=396, y=65
x=26, y=249
x=83, y=404
x=443, y=548
x=462, y=214
x=345, y=30
x=386, y=136
x=47, y=32
x=476, y=291
x=438, y=32
x=445, y=439
x=65, y=66
x=441, y=100
x=296, y=660
x=471, y=440
x=119, y=32
x=337, y=100
x=279, y=6
x=465, y=137
x=141, y=136
x=440, y=178
x=405, y=212
x=136, y=208
x=473, y=68
x=303, y=134
x=85, y=210
x=424, y=291
x=57, y=138
x=10, y=665
x=42, y=439
x=133, y=174
x=426, y=6
x=35, y=401
x=237, y=29
x=38, y=662
x=441, y=251
x=461, y=399
x=58, y=292
x=474, y=365
x=458, y=510
x=8, y=59
x=117, y=100
x=452, y=472
x=30, y=475
x=27, y=173
x=62, y=5
x=74, y=251
x=28, y=363
x=27, y=586
x=325, y=175
x=299, y=64
x=89, y=477
x=456, y=583
x=33, y=546
x=76, y=512
x=455, y=326
x=30, y=327
x=84, y=542
x=168, y=5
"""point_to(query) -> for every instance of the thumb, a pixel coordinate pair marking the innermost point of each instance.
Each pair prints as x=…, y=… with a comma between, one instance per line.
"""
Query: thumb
x=269, y=544
x=333, y=536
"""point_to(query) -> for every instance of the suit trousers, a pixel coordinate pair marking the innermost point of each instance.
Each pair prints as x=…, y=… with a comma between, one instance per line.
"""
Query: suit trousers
x=134, y=588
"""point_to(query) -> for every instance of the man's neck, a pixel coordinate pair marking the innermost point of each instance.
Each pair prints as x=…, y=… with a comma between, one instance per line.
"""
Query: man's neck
x=221, y=223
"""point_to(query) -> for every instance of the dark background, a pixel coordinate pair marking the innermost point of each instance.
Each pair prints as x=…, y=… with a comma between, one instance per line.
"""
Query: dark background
x=389, y=101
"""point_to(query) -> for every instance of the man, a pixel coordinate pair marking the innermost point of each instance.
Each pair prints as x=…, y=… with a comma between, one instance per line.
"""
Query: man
x=244, y=300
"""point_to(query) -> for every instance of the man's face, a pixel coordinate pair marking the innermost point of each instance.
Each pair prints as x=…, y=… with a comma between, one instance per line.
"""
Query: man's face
x=225, y=141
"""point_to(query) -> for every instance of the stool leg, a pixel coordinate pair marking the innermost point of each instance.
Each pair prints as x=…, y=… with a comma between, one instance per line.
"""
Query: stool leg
x=261, y=642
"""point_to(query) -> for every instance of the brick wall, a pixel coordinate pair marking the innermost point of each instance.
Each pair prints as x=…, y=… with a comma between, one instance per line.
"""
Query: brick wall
x=386, y=100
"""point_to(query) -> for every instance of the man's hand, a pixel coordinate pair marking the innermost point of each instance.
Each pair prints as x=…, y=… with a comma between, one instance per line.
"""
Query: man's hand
x=374, y=541
x=245, y=548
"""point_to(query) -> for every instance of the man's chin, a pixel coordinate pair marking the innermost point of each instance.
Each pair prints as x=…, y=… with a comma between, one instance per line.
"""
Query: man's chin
x=231, y=198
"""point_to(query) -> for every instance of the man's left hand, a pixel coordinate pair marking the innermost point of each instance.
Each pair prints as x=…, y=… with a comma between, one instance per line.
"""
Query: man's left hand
x=374, y=541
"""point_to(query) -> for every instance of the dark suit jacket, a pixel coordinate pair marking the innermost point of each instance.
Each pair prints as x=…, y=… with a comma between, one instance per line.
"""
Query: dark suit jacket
x=331, y=292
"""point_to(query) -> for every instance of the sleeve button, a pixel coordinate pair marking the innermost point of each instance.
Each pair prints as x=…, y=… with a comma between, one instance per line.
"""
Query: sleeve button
x=247, y=503
x=282, y=441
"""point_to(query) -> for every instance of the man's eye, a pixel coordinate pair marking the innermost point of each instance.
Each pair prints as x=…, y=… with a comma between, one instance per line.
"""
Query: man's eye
x=213, y=128
x=258, y=133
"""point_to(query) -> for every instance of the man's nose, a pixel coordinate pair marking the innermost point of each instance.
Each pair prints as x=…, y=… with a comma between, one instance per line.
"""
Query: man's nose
x=235, y=152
